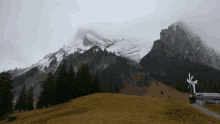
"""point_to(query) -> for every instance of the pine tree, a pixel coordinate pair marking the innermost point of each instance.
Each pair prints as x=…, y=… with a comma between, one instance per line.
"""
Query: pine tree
x=111, y=89
x=6, y=97
x=47, y=95
x=30, y=99
x=62, y=84
x=161, y=92
x=78, y=83
x=84, y=80
x=22, y=100
x=105, y=52
x=116, y=89
x=81, y=80
x=96, y=84
x=106, y=89
x=88, y=79
x=71, y=82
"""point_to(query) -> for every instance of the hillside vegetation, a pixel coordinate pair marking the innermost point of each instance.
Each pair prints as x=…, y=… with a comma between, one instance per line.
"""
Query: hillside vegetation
x=110, y=108
x=213, y=107
x=154, y=89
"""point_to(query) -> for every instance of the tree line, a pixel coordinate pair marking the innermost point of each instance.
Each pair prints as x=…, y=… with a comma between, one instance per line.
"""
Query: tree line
x=177, y=71
x=56, y=89
x=67, y=85
x=25, y=100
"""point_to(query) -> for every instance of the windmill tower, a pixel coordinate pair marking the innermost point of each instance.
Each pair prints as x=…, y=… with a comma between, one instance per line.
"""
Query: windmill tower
x=193, y=83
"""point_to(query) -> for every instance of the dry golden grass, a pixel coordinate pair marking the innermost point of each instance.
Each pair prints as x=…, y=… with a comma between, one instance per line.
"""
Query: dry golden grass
x=106, y=108
x=154, y=90
x=138, y=77
x=213, y=107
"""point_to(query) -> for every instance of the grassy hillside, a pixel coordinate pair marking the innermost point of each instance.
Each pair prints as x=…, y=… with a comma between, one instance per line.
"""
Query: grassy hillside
x=213, y=107
x=154, y=90
x=110, y=108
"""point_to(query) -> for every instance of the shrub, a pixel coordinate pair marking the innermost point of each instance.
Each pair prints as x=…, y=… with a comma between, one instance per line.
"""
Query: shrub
x=12, y=118
x=161, y=92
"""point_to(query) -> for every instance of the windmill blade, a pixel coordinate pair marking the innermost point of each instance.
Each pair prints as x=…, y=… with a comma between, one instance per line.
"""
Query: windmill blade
x=188, y=80
x=195, y=82
x=191, y=78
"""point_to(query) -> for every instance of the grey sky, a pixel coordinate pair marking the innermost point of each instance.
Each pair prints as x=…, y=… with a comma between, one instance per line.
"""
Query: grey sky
x=30, y=29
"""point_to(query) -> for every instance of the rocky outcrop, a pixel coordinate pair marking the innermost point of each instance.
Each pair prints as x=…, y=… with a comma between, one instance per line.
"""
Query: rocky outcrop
x=90, y=41
x=178, y=46
x=181, y=42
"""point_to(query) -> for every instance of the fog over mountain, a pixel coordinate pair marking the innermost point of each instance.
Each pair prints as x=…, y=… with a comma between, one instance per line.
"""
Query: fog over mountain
x=30, y=30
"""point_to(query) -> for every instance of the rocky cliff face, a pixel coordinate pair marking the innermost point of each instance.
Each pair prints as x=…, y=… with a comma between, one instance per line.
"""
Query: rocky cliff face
x=178, y=46
x=180, y=41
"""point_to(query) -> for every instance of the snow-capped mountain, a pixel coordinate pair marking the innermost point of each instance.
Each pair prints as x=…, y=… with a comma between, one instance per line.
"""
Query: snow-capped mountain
x=134, y=50
x=85, y=39
x=88, y=46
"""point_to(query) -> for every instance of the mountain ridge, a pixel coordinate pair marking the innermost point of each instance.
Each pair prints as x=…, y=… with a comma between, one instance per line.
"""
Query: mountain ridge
x=83, y=41
x=88, y=46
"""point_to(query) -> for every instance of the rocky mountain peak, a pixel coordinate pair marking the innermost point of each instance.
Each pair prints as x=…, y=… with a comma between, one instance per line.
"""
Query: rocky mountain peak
x=90, y=37
x=181, y=39
x=48, y=55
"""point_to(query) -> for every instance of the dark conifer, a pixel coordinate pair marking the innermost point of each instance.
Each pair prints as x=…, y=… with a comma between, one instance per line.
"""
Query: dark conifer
x=96, y=83
x=105, y=52
x=61, y=84
x=81, y=80
x=116, y=89
x=161, y=92
x=30, y=99
x=6, y=97
x=22, y=100
x=111, y=89
x=78, y=83
x=88, y=79
x=47, y=95
x=113, y=53
x=71, y=82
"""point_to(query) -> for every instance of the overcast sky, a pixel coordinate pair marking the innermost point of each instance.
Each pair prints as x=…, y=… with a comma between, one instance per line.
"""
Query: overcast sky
x=30, y=29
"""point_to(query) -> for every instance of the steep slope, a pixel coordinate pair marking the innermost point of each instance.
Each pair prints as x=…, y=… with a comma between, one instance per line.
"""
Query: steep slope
x=179, y=52
x=180, y=42
x=180, y=39
x=111, y=69
x=134, y=50
x=84, y=40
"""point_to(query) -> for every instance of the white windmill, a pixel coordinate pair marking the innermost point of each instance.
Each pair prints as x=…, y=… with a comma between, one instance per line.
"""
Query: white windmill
x=192, y=83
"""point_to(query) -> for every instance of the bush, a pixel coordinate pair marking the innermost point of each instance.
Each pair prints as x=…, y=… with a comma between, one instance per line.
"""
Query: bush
x=12, y=119
x=161, y=92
